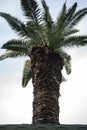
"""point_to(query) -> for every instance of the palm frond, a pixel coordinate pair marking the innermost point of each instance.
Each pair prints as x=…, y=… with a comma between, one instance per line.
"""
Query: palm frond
x=26, y=73
x=35, y=33
x=31, y=10
x=68, y=18
x=70, y=32
x=46, y=16
x=48, y=22
x=67, y=65
x=67, y=60
x=15, y=24
x=61, y=18
x=59, y=28
x=77, y=17
x=75, y=41
x=17, y=45
x=12, y=54
x=70, y=12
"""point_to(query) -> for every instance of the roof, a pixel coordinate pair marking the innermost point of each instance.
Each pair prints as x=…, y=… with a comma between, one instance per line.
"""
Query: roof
x=43, y=127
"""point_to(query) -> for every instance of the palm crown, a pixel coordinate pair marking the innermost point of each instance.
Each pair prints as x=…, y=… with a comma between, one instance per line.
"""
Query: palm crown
x=41, y=30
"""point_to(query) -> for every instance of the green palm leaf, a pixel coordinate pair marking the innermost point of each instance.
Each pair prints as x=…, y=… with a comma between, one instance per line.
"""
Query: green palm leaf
x=12, y=54
x=77, y=17
x=17, y=45
x=75, y=41
x=15, y=24
x=60, y=24
x=46, y=15
x=34, y=33
x=67, y=65
x=31, y=10
x=57, y=36
x=70, y=13
x=70, y=32
x=26, y=73
x=48, y=22
x=67, y=60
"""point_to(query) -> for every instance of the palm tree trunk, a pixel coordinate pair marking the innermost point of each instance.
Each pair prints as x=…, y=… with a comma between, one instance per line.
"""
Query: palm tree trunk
x=46, y=66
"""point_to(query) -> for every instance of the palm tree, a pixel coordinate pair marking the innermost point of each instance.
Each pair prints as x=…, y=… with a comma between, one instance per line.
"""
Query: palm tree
x=43, y=41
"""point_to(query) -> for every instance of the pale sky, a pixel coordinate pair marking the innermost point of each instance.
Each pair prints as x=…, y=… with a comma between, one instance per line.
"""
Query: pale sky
x=15, y=101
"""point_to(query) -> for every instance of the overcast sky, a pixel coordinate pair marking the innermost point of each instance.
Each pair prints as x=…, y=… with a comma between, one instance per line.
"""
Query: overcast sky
x=15, y=101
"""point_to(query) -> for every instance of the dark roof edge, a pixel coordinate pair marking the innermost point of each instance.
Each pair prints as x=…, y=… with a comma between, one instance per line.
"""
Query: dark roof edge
x=44, y=127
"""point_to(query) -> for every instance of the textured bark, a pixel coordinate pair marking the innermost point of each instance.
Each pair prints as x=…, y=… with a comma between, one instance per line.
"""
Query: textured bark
x=46, y=66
